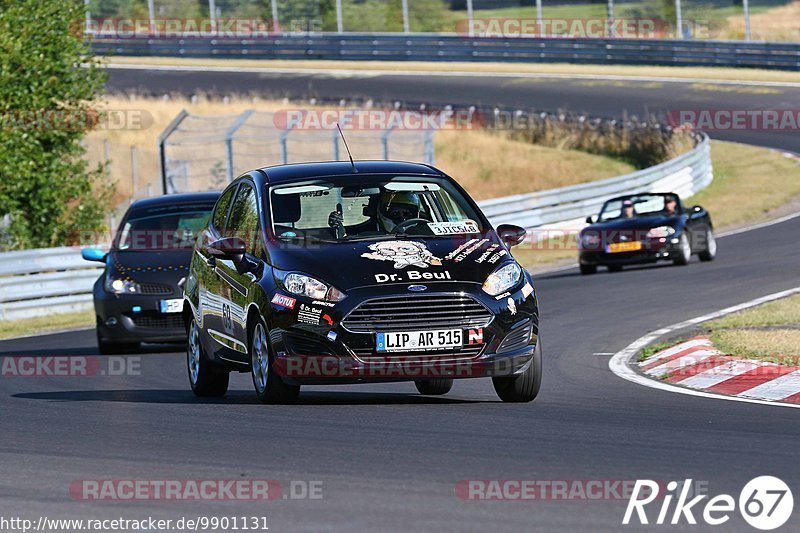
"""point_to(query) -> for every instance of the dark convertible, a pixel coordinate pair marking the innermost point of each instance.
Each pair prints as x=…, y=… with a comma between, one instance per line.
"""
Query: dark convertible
x=347, y=273
x=645, y=228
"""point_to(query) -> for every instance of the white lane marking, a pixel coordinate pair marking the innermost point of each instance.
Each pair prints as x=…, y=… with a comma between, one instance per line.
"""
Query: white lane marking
x=621, y=363
x=669, y=352
x=366, y=73
x=776, y=389
x=681, y=362
x=718, y=374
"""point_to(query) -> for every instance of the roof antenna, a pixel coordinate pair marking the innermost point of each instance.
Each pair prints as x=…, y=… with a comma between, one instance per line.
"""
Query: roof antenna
x=355, y=170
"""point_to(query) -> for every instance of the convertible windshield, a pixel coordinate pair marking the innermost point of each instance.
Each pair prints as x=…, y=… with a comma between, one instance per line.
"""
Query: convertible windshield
x=371, y=207
x=642, y=205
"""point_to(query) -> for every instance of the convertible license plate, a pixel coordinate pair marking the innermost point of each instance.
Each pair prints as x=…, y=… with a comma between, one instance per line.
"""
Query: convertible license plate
x=174, y=305
x=617, y=247
x=441, y=339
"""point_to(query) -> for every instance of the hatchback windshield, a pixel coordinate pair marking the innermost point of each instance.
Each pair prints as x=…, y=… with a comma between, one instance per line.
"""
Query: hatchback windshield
x=642, y=205
x=163, y=227
x=371, y=207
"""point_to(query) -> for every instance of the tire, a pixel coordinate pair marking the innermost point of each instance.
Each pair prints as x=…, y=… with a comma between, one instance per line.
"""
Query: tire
x=115, y=348
x=206, y=380
x=587, y=270
x=684, y=251
x=615, y=268
x=710, y=251
x=270, y=388
x=524, y=387
x=434, y=387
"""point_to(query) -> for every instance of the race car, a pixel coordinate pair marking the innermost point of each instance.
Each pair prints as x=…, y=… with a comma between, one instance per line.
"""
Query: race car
x=358, y=272
x=645, y=228
x=138, y=297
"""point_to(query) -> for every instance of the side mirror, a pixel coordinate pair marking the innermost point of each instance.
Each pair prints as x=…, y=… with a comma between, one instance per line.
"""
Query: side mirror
x=94, y=254
x=228, y=248
x=589, y=220
x=511, y=235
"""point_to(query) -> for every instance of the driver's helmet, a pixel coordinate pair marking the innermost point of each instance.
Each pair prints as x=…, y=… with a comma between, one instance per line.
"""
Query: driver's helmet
x=397, y=207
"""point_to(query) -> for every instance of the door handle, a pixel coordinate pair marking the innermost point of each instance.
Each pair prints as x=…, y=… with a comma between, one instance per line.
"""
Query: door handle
x=211, y=261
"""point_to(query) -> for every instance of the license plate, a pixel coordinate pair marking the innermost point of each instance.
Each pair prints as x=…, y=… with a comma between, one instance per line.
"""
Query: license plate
x=441, y=339
x=617, y=247
x=171, y=306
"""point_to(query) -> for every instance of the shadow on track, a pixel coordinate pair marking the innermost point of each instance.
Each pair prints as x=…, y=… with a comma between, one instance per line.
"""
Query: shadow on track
x=164, y=396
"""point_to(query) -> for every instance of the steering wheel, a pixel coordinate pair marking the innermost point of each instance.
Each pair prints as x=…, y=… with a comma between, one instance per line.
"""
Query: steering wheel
x=408, y=224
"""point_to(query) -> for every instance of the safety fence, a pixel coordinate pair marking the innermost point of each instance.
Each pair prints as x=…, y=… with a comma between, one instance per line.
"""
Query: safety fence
x=44, y=281
x=454, y=47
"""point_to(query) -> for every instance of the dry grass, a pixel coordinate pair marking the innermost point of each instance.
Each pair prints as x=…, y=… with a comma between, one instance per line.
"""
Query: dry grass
x=30, y=326
x=777, y=24
x=775, y=345
x=707, y=73
x=749, y=182
x=786, y=311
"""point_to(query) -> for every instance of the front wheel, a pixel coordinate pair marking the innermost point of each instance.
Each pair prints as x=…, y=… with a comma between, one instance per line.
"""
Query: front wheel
x=270, y=388
x=206, y=380
x=684, y=253
x=523, y=387
x=709, y=252
x=434, y=387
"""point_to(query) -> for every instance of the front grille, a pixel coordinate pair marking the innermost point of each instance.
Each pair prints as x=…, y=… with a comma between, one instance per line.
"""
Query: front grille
x=519, y=338
x=154, y=289
x=423, y=312
x=158, y=321
x=466, y=352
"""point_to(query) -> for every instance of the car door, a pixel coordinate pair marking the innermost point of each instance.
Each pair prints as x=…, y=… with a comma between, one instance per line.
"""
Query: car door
x=243, y=222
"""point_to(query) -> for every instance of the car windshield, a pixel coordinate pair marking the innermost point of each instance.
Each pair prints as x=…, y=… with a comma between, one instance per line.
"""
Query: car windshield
x=371, y=207
x=163, y=227
x=642, y=205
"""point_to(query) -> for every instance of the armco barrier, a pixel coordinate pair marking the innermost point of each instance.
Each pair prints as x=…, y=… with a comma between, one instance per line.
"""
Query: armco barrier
x=452, y=47
x=53, y=280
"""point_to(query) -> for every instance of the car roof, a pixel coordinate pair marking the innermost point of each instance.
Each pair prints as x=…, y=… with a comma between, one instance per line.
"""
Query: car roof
x=172, y=199
x=300, y=171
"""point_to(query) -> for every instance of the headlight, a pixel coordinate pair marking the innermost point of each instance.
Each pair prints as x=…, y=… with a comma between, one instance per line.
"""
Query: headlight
x=311, y=288
x=121, y=286
x=503, y=279
x=660, y=232
x=590, y=240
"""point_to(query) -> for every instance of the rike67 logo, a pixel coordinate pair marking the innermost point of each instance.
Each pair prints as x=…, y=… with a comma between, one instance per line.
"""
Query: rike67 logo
x=765, y=503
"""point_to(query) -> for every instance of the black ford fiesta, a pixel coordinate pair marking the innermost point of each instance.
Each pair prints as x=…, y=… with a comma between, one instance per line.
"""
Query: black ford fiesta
x=335, y=272
x=137, y=298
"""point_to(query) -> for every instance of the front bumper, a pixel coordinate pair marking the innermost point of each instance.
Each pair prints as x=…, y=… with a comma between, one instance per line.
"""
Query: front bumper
x=651, y=252
x=331, y=353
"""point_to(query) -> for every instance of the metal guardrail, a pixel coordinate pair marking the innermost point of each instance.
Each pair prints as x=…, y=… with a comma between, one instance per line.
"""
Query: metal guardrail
x=58, y=280
x=453, y=47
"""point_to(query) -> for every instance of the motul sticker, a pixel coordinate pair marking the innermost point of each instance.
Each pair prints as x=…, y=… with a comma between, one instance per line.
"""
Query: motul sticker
x=284, y=301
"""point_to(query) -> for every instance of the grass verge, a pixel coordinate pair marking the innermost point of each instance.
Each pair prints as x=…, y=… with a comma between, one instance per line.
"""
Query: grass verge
x=30, y=326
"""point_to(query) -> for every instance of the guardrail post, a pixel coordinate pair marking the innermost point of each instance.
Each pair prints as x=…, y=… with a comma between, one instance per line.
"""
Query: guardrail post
x=162, y=139
x=284, y=140
x=385, y=143
x=335, y=139
x=430, y=151
x=229, y=133
x=134, y=172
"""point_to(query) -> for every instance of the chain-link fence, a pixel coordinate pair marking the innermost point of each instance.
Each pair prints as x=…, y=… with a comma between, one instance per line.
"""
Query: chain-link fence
x=206, y=152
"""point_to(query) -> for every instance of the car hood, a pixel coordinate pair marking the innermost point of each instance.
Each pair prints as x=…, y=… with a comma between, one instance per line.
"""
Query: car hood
x=639, y=223
x=422, y=261
x=167, y=266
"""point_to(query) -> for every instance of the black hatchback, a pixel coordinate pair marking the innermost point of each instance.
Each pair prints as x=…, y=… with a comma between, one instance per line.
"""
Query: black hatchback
x=325, y=273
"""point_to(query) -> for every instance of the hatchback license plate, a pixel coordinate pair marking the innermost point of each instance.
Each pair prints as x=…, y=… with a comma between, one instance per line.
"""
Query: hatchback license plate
x=441, y=339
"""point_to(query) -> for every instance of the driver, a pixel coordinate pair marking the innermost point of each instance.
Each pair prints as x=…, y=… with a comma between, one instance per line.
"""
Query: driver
x=396, y=207
x=670, y=205
x=628, y=211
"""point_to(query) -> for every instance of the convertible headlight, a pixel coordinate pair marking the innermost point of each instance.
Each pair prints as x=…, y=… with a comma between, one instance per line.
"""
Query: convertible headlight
x=121, y=286
x=503, y=279
x=660, y=232
x=312, y=288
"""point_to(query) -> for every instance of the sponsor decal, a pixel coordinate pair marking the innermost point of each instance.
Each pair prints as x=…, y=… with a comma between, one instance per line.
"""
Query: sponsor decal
x=284, y=301
x=413, y=275
x=309, y=315
x=327, y=319
x=512, y=306
x=489, y=251
x=323, y=304
x=502, y=296
x=527, y=290
x=465, y=250
x=453, y=228
x=496, y=257
x=403, y=254
x=475, y=336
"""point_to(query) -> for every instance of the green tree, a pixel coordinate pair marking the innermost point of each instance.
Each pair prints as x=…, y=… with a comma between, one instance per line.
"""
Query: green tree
x=49, y=81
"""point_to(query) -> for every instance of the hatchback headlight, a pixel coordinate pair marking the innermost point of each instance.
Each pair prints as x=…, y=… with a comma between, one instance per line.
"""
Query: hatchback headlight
x=303, y=285
x=660, y=232
x=121, y=286
x=503, y=279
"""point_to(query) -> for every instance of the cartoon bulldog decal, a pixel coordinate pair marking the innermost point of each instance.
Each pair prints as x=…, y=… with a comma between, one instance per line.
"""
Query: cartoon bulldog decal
x=403, y=254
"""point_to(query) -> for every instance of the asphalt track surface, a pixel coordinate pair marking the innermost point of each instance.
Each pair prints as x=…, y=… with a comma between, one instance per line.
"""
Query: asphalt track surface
x=598, y=97
x=390, y=459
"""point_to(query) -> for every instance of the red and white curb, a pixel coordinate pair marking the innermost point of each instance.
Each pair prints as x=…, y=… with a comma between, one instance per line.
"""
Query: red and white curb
x=695, y=368
x=698, y=365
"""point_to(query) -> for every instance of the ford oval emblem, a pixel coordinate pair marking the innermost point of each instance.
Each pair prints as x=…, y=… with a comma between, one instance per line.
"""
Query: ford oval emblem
x=417, y=288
